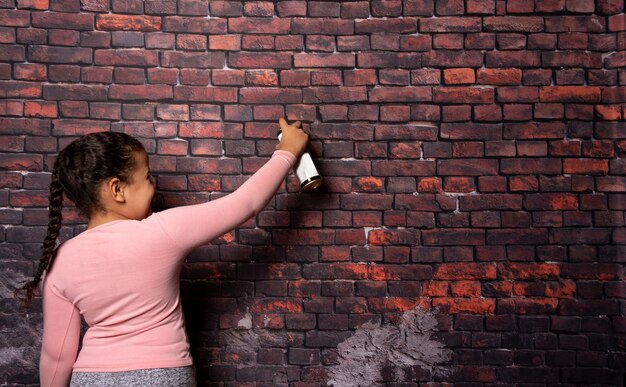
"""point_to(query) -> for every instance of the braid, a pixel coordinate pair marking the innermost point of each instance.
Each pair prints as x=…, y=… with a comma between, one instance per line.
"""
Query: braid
x=79, y=171
x=55, y=217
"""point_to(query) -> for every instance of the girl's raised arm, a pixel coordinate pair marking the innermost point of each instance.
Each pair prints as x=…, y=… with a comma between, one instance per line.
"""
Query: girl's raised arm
x=191, y=226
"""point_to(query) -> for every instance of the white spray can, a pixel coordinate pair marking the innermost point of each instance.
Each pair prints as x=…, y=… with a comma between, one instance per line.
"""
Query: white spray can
x=306, y=172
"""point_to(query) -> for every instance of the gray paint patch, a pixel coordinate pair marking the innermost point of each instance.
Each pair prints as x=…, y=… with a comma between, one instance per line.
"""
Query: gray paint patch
x=400, y=352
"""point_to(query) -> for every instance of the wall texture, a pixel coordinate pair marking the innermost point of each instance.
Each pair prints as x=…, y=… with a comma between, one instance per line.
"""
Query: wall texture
x=471, y=228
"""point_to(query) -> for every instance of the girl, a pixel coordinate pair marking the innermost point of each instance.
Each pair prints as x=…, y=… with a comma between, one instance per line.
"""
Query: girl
x=122, y=273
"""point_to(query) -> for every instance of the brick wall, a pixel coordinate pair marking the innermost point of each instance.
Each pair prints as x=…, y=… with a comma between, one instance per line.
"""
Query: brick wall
x=471, y=151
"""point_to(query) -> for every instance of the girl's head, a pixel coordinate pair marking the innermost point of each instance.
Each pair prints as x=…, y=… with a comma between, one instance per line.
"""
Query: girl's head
x=99, y=172
x=86, y=165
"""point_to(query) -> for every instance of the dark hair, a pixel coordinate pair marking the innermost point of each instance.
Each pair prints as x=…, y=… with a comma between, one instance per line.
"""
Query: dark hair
x=78, y=172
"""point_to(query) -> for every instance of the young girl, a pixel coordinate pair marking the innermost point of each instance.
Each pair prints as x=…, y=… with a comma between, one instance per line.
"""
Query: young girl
x=122, y=273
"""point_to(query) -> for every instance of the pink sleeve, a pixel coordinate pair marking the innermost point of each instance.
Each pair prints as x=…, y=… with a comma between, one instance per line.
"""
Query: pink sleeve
x=61, y=334
x=191, y=226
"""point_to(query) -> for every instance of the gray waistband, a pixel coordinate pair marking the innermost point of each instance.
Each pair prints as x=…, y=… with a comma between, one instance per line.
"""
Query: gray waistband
x=157, y=377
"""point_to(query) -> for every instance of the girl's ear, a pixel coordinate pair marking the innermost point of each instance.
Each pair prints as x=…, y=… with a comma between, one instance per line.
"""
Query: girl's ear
x=115, y=189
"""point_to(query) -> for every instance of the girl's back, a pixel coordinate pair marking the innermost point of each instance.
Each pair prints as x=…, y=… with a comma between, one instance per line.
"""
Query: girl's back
x=123, y=276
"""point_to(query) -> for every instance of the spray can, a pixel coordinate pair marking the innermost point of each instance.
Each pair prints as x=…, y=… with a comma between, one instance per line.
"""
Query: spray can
x=306, y=172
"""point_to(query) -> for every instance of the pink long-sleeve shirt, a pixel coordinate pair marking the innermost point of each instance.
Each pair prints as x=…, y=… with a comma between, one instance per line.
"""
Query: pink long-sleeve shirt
x=123, y=278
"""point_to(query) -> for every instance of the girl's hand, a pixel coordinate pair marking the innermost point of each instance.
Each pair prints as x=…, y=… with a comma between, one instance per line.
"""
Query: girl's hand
x=293, y=138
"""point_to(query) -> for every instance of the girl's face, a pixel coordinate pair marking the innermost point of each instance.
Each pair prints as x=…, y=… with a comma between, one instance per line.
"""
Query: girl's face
x=140, y=190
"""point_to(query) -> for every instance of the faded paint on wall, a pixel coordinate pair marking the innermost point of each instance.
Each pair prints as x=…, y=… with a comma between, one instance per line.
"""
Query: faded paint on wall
x=403, y=352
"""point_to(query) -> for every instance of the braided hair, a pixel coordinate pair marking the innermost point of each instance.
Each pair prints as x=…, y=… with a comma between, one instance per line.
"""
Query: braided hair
x=78, y=172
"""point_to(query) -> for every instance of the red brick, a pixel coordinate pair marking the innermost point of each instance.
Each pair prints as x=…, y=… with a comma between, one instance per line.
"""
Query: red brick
x=360, y=77
x=33, y=4
x=74, y=21
x=585, y=166
x=353, y=43
x=204, y=94
x=575, y=24
x=534, y=130
x=29, y=72
x=529, y=271
x=549, y=5
x=258, y=8
x=291, y=8
x=140, y=92
x=226, y=8
x=568, y=59
x=162, y=76
x=395, y=304
x=105, y=110
x=324, y=60
x=50, y=54
x=419, y=7
x=617, y=23
x=40, y=109
x=448, y=41
x=172, y=147
x=204, y=182
x=400, y=94
x=75, y=109
x=74, y=92
x=301, y=112
x=465, y=167
x=259, y=60
x=191, y=42
x=465, y=289
x=614, y=95
x=323, y=26
x=258, y=25
x=334, y=112
x=459, y=76
x=261, y=78
x=198, y=25
x=326, y=77
x=403, y=168
x=268, y=112
x=334, y=94
x=453, y=237
x=210, y=130
x=225, y=42
x=610, y=6
x=63, y=38
x=464, y=305
x=153, y=40
x=28, y=162
x=266, y=95
x=401, y=26
x=126, y=58
x=69, y=127
x=452, y=58
x=513, y=23
x=415, y=43
x=499, y=76
x=490, y=113
x=451, y=24
x=506, y=59
x=551, y=201
x=463, y=95
x=450, y=7
x=257, y=42
x=485, y=7
x=395, y=272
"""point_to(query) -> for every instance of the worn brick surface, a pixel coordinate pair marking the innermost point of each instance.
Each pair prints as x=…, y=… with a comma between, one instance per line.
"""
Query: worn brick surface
x=472, y=154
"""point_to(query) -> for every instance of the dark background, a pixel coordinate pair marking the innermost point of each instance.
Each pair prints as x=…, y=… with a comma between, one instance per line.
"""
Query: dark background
x=472, y=155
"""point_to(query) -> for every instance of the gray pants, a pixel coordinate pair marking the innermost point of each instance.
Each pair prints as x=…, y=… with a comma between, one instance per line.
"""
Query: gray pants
x=157, y=377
